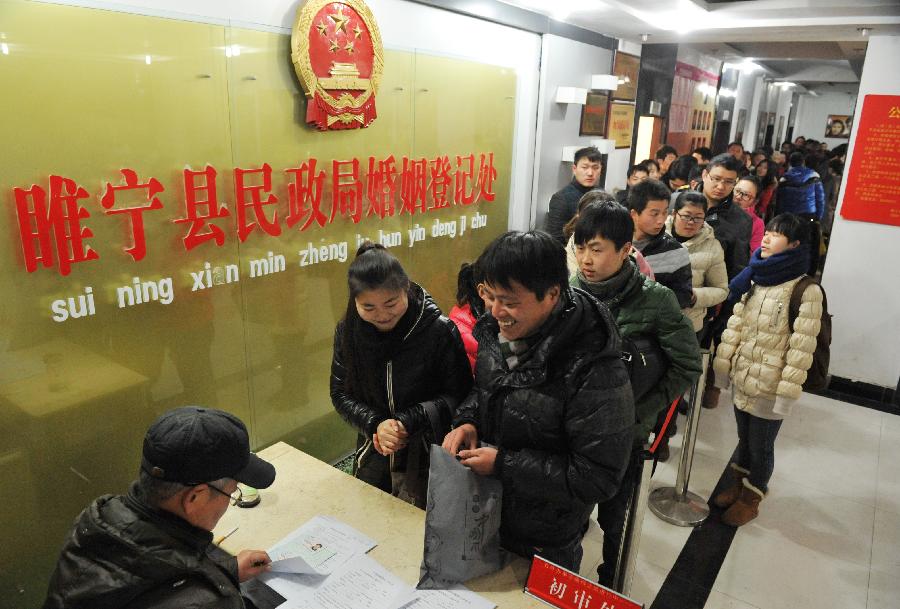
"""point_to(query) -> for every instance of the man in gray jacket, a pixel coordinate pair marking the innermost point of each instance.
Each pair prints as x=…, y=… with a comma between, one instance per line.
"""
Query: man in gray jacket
x=153, y=547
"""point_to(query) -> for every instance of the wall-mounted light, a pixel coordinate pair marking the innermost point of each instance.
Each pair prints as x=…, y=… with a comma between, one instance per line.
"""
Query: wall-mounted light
x=863, y=31
x=571, y=95
x=148, y=60
x=604, y=82
x=645, y=37
x=4, y=48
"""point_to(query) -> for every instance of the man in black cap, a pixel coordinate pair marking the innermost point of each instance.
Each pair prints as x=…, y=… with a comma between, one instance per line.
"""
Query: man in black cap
x=153, y=547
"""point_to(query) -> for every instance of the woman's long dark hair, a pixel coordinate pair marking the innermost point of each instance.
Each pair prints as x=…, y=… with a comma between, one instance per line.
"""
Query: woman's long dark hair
x=467, y=288
x=771, y=174
x=374, y=268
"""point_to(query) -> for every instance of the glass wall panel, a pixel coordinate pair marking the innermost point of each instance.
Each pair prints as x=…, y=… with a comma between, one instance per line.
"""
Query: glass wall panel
x=136, y=271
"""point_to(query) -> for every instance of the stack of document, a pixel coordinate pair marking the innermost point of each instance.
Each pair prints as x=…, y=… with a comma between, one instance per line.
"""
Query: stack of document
x=323, y=565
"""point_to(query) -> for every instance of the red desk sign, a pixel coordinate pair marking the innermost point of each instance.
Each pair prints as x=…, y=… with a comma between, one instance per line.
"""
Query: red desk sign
x=872, y=193
x=566, y=590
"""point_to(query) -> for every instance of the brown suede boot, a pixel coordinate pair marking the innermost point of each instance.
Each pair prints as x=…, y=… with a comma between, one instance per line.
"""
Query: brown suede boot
x=746, y=508
x=731, y=493
x=711, y=397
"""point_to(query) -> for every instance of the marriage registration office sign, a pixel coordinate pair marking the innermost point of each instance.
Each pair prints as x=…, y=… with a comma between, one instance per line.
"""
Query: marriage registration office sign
x=55, y=218
x=872, y=193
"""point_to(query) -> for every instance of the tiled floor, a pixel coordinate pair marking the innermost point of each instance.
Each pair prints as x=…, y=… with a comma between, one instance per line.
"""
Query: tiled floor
x=828, y=533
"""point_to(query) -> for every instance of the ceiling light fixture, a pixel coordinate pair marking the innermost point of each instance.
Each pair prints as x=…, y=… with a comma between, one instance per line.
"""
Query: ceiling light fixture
x=863, y=31
x=645, y=37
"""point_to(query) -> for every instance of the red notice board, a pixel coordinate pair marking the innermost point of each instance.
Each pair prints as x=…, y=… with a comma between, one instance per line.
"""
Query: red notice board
x=873, y=182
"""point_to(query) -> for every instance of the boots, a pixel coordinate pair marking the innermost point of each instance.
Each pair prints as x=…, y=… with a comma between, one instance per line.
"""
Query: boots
x=732, y=492
x=746, y=508
x=711, y=397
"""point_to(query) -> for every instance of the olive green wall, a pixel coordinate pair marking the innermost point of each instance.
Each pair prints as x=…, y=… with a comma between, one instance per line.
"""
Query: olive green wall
x=81, y=101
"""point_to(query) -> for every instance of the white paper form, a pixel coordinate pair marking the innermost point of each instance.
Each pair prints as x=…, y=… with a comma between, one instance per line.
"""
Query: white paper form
x=318, y=547
x=458, y=597
x=361, y=583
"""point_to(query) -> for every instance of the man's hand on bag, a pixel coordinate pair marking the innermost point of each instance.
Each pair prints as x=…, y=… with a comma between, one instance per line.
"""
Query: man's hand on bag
x=390, y=437
x=465, y=436
x=479, y=460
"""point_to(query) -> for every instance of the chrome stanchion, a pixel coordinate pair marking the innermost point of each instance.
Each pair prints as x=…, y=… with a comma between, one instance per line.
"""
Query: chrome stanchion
x=631, y=535
x=676, y=504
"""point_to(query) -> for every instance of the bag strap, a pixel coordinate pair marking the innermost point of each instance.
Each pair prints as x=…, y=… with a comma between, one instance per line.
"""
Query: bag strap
x=797, y=296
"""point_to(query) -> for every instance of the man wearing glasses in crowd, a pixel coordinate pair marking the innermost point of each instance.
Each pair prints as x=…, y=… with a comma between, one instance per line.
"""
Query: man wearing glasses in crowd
x=732, y=227
x=153, y=546
x=731, y=224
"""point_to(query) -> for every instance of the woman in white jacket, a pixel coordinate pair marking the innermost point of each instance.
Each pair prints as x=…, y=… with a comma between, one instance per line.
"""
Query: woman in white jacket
x=764, y=359
x=709, y=278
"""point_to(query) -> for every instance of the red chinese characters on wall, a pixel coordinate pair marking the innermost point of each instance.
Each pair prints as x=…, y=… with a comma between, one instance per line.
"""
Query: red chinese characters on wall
x=54, y=220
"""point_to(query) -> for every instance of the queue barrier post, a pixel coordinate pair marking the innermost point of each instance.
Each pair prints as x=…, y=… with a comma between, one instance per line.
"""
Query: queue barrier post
x=677, y=505
x=631, y=535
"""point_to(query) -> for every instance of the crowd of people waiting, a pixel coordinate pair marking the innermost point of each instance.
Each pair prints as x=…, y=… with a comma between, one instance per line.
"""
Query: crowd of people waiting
x=531, y=379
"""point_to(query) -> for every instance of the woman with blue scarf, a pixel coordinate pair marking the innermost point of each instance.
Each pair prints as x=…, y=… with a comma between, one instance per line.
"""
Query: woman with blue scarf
x=764, y=359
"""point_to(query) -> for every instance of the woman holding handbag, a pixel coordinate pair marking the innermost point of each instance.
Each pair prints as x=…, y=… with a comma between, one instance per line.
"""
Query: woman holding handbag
x=398, y=371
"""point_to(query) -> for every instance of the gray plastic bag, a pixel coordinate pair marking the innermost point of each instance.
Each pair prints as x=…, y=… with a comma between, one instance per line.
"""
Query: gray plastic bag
x=462, y=524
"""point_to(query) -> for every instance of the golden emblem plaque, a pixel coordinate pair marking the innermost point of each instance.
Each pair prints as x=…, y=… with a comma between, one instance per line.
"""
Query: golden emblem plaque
x=337, y=54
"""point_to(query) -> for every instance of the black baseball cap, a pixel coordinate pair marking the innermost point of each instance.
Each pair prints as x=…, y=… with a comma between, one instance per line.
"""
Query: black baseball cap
x=193, y=445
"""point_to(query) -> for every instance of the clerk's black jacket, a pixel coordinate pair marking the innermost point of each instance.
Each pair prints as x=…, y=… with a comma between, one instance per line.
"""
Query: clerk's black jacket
x=124, y=554
x=562, y=421
x=422, y=374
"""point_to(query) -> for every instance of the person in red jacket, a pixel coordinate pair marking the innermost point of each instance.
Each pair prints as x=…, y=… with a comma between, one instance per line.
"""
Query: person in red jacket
x=469, y=307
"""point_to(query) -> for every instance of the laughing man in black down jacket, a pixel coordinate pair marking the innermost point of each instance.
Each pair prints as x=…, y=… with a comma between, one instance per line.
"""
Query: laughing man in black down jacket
x=552, y=401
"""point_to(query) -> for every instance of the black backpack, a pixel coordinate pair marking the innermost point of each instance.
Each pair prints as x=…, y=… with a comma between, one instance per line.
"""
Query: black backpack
x=645, y=361
x=817, y=376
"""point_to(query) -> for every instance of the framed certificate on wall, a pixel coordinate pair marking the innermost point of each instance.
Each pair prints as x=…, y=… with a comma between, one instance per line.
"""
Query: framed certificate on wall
x=593, y=114
x=627, y=68
x=621, y=123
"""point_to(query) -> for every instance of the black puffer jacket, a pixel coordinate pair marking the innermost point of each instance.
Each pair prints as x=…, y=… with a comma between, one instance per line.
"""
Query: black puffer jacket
x=420, y=384
x=562, y=421
x=123, y=554
x=732, y=227
x=562, y=208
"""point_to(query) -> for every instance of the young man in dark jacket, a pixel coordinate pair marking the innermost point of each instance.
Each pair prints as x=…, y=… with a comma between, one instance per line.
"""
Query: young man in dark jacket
x=152, y=548
x=670, y=261
x=642, y=307
x=731, y=224
x=552, y=401
x=586, y=170
x=733, y=227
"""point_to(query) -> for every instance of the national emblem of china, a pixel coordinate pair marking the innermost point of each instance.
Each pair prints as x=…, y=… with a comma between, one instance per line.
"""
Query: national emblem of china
x=337, y=54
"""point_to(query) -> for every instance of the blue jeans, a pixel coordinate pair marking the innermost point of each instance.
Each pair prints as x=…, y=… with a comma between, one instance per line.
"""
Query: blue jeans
x=755, y=451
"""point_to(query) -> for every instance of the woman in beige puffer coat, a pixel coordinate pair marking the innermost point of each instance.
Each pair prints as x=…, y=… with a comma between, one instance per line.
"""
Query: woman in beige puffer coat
x=764, y=360
x=709, y=277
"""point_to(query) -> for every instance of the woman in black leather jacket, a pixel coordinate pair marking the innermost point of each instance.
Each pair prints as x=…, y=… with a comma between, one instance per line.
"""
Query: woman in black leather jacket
x=399, y=370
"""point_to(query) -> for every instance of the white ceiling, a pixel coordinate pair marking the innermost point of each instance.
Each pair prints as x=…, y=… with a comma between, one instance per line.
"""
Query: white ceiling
x=815, y=43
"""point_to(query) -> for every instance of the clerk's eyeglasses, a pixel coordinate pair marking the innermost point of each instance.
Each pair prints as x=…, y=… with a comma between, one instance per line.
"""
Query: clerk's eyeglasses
x=234, y=498
x=689, y=219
